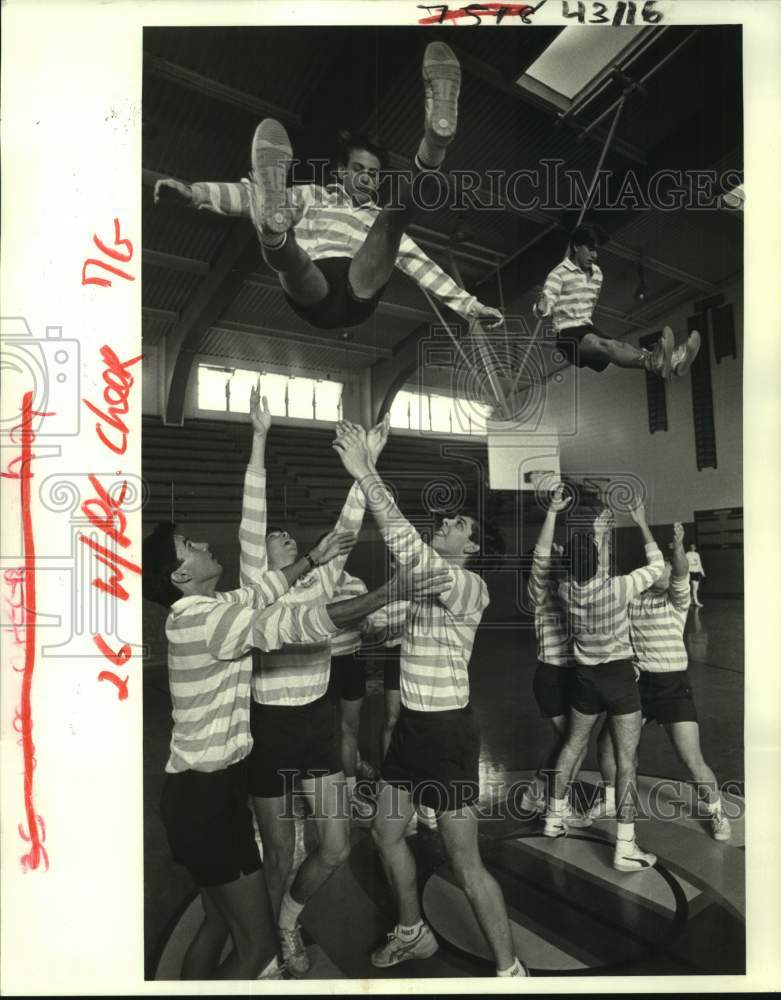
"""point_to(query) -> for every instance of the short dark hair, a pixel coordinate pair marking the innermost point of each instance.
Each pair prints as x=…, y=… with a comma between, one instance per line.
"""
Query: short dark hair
x=350, y=141
x=582, y=556
x=158, y=562
x=271, y=531
x=487, y=536
x=584, y=236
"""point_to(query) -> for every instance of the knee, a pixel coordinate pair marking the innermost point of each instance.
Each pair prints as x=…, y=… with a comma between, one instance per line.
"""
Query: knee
x=277, y=855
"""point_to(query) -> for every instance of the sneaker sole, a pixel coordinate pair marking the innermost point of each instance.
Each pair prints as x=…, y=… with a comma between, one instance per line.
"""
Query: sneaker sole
x=442, y=73
x=406, y=958
x=553, y=834
x=634, y=866
x=271, y=158
x=692, y=350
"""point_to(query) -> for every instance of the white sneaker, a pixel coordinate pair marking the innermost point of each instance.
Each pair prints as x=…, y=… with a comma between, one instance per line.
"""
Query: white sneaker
x=720, y=826
x=576, y=820
x=397, y=949
x=294, y=954
x=603, y=810
x=628, y=857
x=532, y=803
x=684, y=355
x=554, y=825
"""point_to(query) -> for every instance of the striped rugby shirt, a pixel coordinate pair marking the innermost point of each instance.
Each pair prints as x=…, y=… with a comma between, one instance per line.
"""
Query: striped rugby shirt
x=656, y=623
x=210, y=666
x=597, y=610
x=348, y=640
x=554, y=645
x=333, y=226
x=571, y=295
x=294, y=674
x=438, y=634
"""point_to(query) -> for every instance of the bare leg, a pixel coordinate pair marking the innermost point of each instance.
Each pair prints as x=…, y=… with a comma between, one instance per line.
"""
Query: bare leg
x=350, y=716
x=278, y=833
x=327, y=798
x=685, y=738
x=695, y=593
x=244, y=905
x=614, y=351
x=625, y=731
x=574, y=749
x=203, y=954
x=394, y=809
x=390, y=718
x=373, y=264
x=459, y=835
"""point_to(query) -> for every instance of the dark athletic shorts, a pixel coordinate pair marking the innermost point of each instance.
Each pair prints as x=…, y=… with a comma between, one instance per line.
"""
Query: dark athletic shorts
x=340, y=307
x=348, y=678
x=290, y=742
x=552, y=687
x=568, y=342
x=607, y=687
x=667, y=697
x=392, y=668
x=208, y=824
x=435, y=756
x=695, y=576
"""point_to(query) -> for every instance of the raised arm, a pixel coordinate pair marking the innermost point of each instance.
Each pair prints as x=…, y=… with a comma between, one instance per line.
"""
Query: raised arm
x=538, y=578
x=223, y=198
x=253, y=561
x=679, y=592
x=430, y=276
x=641, y=579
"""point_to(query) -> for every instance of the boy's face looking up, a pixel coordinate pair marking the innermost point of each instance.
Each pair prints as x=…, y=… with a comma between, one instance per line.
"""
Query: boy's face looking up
x=197, y=564
x=281, y=549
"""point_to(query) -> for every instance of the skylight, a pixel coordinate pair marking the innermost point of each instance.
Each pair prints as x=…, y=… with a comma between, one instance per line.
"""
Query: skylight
x=578, y=59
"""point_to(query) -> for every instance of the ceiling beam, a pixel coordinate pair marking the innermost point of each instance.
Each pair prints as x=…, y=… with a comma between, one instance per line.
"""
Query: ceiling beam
x=167, y=315
x=174, y=262
x=238, y=255
x=305, y=339
x=191, y=80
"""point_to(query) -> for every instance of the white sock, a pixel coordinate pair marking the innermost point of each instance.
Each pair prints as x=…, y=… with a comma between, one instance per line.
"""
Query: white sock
x=714, y=807
x=350, y=785
x=625, y=831
x=516, y=969
x=557, y=806
x=289, y=912
x=409, y=932
x=610, y=795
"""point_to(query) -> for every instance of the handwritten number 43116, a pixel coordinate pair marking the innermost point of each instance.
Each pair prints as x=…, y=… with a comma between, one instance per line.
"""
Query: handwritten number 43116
x=590, y=11
x=123, y=256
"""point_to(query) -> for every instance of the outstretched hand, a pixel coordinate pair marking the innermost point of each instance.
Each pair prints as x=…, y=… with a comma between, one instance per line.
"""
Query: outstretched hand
x=678, y=533
x=559, y=499
x=489, y=316
x=409, y=583
x=259, y=413
x=171, y=192
x=603, y=522
x=637, y=513
x=377, y=437
x=332, y=545
x=352, y=447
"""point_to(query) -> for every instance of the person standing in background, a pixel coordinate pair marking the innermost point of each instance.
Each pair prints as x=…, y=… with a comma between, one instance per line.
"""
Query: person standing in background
x=696, y=573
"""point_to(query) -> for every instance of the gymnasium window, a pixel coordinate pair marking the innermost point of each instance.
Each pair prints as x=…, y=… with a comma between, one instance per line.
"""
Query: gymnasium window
x=227, y=390
x=438, y=414
x=577, y=61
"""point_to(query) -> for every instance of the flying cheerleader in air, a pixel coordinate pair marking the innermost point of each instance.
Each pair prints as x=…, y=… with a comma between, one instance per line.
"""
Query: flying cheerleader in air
x=569, y=298
x=334, y=249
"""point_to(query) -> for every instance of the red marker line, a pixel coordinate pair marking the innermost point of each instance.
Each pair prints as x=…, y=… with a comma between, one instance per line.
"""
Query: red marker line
x=33, y=835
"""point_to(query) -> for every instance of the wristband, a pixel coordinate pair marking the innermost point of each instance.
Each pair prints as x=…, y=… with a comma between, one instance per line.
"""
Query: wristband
x=310, y=560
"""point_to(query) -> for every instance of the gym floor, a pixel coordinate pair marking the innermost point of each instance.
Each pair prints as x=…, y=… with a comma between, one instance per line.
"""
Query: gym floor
x=571, y=913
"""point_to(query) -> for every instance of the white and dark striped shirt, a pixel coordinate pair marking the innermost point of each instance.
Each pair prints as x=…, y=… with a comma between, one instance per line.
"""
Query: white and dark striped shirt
x=438, y=634
x=554, y=644
x=571, y=295
x=597, y=610
x=210, y=666
x=333, y=226
x=295, y=674
x=347, y=640
x=656, y=624
x=385, y=626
